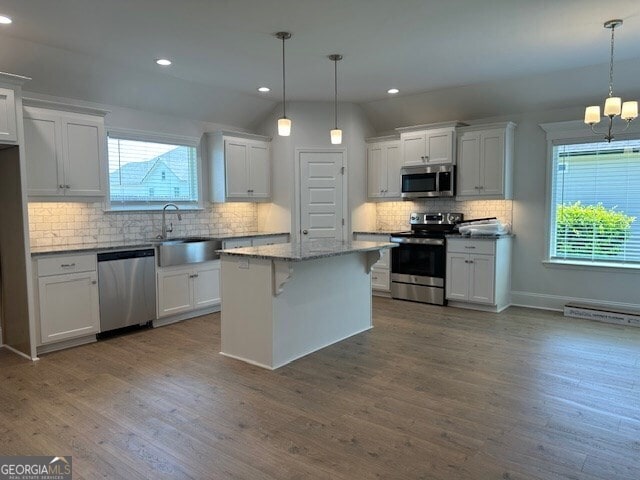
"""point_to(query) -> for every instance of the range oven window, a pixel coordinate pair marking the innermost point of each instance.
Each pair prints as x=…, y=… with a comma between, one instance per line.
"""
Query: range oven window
x=419, y=182
x=421, y=260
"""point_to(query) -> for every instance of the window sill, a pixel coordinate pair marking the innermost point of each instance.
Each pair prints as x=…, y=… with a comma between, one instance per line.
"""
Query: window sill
x=151, y=209
x=578, y=265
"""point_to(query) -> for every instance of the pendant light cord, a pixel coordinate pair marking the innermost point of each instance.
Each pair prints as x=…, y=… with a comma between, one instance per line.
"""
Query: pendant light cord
x=613, y=29
x=284, y=85
x=335, y=96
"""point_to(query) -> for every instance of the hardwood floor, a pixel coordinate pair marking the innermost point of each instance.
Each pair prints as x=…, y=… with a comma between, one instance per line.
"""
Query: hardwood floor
x=429, y=393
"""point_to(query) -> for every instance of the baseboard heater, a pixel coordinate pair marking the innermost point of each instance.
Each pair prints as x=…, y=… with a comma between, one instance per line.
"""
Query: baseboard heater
x=603, y=314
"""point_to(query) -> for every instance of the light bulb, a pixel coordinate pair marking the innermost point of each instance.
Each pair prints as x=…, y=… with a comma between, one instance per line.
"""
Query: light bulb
x=629, y=111
x=612, y=106
x=336, y=136
x=284, y=127
x=592, y=115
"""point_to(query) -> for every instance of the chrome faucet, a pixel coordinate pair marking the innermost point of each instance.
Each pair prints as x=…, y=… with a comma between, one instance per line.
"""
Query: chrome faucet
x=165, y=230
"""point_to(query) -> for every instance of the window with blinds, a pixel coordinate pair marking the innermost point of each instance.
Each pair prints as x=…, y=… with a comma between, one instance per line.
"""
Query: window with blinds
x=596, y=203
x=147, y=174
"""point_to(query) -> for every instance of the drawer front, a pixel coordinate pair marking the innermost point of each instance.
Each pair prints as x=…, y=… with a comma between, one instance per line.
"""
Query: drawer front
x=66, y=264
x=236, y=243
x=485, y=247
x=270, y=240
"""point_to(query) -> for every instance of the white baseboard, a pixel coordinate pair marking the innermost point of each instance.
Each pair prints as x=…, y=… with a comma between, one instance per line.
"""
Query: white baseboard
x=18, y=352
x=162, y=322
x=556, y=302
x=74, y=342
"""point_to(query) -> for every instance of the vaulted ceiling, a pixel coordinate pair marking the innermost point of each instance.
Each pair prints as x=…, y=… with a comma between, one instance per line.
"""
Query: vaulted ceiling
x=104, y=50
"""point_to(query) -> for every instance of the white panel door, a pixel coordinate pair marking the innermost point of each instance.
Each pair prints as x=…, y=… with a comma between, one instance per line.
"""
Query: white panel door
x=468, y=164
x=439, y=147
x=492, y=154
x=206, y=285
x=8, y=125
x=174, y=291
x=375, y=186
x=43, y=154
x=236, y=175
x=82, y=144
x=414, y=149
x=457, y=278
x=482, y=274
x=69, y=306
x=259, y=167
x=393, y=164
x=321, y=195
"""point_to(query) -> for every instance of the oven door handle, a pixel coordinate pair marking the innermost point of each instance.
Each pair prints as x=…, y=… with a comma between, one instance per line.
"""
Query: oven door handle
x=418, y=241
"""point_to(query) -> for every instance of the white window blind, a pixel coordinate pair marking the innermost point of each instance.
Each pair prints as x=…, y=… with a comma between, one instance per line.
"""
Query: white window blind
x=596, y=203
x=145, y=173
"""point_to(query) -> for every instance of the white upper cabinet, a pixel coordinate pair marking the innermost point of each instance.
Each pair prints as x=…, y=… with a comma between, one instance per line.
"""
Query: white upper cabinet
x=8, y=124
x=383, y=169
x=65, y=153
x=485, y=161
x=239, y=167
x=428, y=144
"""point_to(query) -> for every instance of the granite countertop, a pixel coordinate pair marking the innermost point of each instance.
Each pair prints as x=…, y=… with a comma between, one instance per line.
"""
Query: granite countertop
x=484, y=236
x=376, y=232
x=94, y=247
x=308, y=250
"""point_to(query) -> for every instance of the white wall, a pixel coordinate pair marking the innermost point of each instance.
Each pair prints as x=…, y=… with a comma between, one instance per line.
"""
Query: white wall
x=311, y=122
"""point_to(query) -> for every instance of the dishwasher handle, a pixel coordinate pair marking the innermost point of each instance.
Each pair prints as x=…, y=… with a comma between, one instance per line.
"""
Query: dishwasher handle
x=124, y=255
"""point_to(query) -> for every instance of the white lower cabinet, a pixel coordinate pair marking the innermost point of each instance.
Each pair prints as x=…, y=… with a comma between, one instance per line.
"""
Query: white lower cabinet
x=68, y=297
x=381, y=270
x=255, y=242
x=188, y=288
x=478, y=273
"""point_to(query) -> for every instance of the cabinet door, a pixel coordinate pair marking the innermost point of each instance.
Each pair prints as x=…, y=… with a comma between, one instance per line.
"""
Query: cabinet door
x=8, y=125
x=375, y=187
x=84, y=152
x=482, y=275
x=174, y=291
x=68, y=306
x=259, y=165
x=439, y=147
x=235, y=161
x=43, y=155
x=236, y=243
x=394, y=163
x=468, y=164
x=206, y=285
x=457, y=277
x=414, y=148
x=492, y=155
x=380, y=280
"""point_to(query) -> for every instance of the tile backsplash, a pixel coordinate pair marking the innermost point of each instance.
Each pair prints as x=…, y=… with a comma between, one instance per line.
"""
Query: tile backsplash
x=395, y=215
x=62, y=223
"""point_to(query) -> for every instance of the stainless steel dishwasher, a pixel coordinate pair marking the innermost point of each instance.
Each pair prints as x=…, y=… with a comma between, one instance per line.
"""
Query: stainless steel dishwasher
x=127, y=288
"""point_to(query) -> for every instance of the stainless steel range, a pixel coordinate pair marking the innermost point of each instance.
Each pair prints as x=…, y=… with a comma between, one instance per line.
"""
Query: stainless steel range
x=418, y=265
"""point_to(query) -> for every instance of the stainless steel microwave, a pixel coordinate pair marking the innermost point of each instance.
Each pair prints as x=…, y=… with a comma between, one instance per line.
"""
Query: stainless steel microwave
x=428, y=181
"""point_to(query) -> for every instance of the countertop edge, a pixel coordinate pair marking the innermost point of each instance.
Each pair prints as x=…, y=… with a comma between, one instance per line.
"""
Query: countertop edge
x=244, y=252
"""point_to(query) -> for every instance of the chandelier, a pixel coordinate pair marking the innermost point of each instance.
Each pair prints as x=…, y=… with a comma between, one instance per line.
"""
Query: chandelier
x=613, y=106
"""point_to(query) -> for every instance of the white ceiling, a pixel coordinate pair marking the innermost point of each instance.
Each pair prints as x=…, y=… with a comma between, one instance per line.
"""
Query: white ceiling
x=104, y=50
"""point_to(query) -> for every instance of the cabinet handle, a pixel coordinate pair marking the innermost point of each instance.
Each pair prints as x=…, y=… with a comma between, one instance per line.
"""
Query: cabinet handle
x=67, y=186
x=195, y=275
x=94, y=282
x=375, y=278
x=67, y=265
x=480, y=187
x=470, y=261
x=476, y=188
x=469, y=247
x=60, y=186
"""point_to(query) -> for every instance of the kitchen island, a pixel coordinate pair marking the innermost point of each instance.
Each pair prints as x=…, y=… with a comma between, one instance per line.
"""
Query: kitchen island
x=281, y=302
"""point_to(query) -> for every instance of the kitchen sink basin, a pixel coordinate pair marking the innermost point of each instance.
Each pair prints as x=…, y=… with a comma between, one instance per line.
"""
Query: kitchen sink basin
x=181, y=251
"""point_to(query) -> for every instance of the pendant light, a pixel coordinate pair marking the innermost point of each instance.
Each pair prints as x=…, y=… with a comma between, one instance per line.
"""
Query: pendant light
x=613, y=106
x=284, y=124
x=336, y=133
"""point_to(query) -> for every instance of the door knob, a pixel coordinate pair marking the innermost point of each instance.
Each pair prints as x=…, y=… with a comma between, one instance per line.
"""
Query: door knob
x=305, y=232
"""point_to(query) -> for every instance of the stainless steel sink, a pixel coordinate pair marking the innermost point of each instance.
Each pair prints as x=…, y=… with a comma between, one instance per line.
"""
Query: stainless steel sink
x=181, y=251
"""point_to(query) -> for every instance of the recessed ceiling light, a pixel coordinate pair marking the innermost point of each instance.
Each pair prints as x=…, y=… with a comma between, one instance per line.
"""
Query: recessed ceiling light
x=264, y=89
x=5, y=20
x=393, y=91
x=163, y=62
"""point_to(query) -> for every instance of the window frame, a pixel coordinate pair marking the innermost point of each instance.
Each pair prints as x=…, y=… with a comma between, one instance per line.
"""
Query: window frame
x=574, y=133
x=145, y=136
